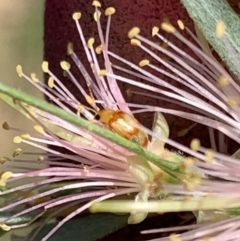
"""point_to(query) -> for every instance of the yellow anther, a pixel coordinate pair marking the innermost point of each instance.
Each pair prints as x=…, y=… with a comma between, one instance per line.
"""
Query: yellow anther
x=144, y=62
x=195, y=144
x=135, y=42
x=26, y=136
x=70, y=48
x=99, y=49
x=39, y=129
x=19, y=70
x=45, y=66
x=4, y=159
x=96, y=4
x=180, y=24
x=209, y=155
x=133, y=32
x=103, y=72
x=40, y=158
x=90, y=100
x=168, y=27
x=65, y=65
x=17, y=139
x=188, y=162
x=81, y=108
x=5, y=126
x=17, y=152
x=5, y=227
x=223, y=82
x=51, y=82
x=90, y=42
x=110, y=11
x=155, y=30
x=76, y=16
x=232, y=101
x=97, y=15
x=34, y=77
x=129, y=93
x=4, y=177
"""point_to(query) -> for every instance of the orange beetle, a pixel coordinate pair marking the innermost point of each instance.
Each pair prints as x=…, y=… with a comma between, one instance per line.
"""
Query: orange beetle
x=124, y=125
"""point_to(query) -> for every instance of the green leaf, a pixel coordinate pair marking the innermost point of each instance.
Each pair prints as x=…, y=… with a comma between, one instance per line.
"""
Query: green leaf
x=206, y=14
x=18, y=220
x=89, y=228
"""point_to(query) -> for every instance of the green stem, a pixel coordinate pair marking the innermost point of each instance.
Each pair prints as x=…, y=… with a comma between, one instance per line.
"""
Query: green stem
x=87, y=125
x=206, y=14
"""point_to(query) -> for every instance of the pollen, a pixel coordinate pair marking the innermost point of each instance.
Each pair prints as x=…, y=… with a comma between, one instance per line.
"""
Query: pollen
x=90, y=42
x=144, y=62
x=4, y=177
x=19, y=71
x=81, y=108
x=76, y=16
x=51, y=82
x=195, y=144
x=129, y=92
x=39, y=129
x=96, y=4
x=5, y=126
x=65, y=65
x=155, y=31
x=45, y=66
x=40, y=158
x=17, y=152
x=110, y=11
x=180, y=24
x=70, y=48
x=189, y=186
x=5, y=227
x=3, y=160
x=223, y=82
x=133, y=32
x=103, y=72
x=90, y=100
x=168, y=27
x=97, y=15
x=220, y=29
x=17, y=139
x=26, y=136
x=99, y=49
x=135, y=42
x=34, y=77
x=174, y=237
x=209, y=155
x=188, y=162
x=232, y=101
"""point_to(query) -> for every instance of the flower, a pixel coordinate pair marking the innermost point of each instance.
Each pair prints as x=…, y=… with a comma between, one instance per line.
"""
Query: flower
x=98, y=169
